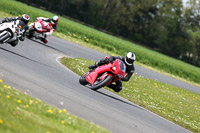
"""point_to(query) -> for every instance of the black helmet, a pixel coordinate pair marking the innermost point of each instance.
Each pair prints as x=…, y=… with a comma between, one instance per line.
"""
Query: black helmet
x=25, y=18
x=130, y=58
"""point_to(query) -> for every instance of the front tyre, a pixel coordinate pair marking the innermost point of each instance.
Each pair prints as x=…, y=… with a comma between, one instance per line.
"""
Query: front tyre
x=4, y=37
x=101, y=83
x=82, y=79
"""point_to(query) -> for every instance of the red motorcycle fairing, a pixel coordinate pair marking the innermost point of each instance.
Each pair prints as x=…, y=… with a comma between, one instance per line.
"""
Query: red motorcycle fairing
x=111, y=69
x=45, y=26
x=91, y=77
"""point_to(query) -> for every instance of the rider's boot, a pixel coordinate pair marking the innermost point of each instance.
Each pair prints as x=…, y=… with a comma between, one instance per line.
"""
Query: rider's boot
x=115, y=87
x=45, y=40
x=22, y=38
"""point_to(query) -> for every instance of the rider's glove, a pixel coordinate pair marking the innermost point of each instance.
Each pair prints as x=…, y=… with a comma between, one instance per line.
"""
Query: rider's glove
x=92, y=66
x=6, y=20
x=111, y=59
x=15, y=18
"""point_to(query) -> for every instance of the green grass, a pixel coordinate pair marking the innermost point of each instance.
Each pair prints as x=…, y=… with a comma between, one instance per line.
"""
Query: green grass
x=20, y=113
x=110, y=43
x=175, y=104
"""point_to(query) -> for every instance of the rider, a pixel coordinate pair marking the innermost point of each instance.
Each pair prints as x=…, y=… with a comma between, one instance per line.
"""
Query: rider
x=128, y=60
x=53, y=21
x=24, y=19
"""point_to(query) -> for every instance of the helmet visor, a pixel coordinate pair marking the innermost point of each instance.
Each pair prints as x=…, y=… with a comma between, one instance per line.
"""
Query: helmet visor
x=129, y=61
x=52, y=22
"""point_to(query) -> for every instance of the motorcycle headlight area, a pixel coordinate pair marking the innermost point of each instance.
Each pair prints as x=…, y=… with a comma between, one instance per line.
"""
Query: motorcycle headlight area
x=114, y=68
x=38, y=26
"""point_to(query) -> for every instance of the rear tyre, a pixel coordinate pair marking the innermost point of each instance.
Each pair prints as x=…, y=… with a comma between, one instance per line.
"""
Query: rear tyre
x=82, y=79
x=4, y=37
x=101, y=83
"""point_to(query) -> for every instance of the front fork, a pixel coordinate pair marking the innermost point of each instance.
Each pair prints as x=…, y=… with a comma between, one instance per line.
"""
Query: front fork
x=105, y=75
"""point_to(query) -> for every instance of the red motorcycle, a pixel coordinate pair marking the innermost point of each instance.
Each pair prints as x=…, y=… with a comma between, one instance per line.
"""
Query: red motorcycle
x=38, y=28
x=104, y=75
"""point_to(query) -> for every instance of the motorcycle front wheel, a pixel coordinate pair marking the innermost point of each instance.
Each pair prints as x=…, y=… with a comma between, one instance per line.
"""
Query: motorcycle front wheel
x=4, y=37
x=82, y=79
x=98, y=84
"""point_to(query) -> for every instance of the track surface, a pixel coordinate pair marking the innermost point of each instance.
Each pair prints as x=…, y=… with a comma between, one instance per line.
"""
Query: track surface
x=32, y=67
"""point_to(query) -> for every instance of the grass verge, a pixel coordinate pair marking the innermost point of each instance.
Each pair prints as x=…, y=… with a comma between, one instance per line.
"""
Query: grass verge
x=175, y=104
x=108, y=42
x=20, y=113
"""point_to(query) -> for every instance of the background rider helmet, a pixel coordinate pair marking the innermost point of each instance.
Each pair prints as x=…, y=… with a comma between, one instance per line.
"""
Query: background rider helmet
x=54, y=20
x=25, y=18
x=130, y=58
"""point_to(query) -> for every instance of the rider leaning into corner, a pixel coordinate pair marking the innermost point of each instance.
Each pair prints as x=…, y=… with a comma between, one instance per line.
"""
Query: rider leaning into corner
x=128, y=60
x=53, y=21
x=24, y=19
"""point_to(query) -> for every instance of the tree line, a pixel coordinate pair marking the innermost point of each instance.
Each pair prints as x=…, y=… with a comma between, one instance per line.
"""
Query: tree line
x=163, y=25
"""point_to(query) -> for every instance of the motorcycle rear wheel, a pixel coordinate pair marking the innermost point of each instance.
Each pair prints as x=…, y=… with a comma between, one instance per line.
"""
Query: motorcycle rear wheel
x=14, y=43
x=98, y=84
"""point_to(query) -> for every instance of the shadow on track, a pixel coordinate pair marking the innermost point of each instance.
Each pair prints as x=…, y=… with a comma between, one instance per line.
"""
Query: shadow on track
x=36, y=41
x=129, y=103
x=46, y=45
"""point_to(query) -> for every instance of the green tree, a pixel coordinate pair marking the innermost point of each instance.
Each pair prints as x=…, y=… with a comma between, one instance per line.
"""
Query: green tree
x=192, y=23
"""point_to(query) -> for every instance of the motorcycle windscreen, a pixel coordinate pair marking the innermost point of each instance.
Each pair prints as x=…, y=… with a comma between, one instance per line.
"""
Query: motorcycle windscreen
x=121, y=69
x=38, y=25
x=122, y=66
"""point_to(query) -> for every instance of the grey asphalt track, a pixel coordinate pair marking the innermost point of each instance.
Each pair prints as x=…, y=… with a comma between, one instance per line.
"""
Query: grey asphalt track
x=33, y=68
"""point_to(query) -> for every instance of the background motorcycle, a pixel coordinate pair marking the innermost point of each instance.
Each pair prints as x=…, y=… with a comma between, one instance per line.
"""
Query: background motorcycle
x=11, y=32
x=104, y=75
x=38, y=28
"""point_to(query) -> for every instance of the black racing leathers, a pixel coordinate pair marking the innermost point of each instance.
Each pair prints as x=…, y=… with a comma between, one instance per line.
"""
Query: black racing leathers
x=129, y=71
